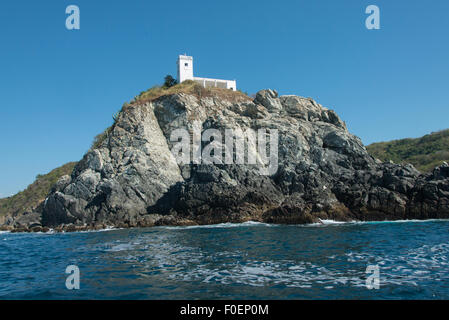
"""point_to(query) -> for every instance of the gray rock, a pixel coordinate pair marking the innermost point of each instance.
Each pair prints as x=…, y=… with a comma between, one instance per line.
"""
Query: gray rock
x=324, y=172
x=28, y=220
x=269, y=99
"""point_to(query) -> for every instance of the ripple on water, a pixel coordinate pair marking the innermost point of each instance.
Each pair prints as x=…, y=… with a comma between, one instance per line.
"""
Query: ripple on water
x=250, y=260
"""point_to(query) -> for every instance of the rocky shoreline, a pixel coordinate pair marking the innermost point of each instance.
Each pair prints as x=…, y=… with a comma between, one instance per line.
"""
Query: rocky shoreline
x=132, y=179
x=152, y=221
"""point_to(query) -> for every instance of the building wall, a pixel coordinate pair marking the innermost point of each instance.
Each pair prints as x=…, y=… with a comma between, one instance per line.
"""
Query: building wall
x=231, y=84
x=217, y=83
x=185, y=68
x=185, y=72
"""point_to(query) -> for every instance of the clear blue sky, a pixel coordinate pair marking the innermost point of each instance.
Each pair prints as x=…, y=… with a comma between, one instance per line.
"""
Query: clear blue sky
x=59, y=88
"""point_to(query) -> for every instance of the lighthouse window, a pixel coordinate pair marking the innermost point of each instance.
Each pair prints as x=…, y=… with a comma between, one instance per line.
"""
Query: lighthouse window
x=186, y=64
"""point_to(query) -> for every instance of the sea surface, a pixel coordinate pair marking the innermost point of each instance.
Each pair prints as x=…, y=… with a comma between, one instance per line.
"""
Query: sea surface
x=232, y=261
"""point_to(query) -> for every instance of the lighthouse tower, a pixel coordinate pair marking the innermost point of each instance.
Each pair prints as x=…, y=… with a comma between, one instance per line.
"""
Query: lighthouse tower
x=185, y=68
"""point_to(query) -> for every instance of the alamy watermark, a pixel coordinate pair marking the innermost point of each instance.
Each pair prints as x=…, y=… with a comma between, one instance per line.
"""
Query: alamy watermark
x=72, y=22
x=373, y=20
x=72, y=282
x=236, y=147
x=373, y=280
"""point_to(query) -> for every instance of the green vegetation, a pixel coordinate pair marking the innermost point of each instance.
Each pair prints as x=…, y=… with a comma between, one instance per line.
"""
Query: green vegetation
x=35, y=193
x=424, y=153
x=169, y=81
x=99, y=138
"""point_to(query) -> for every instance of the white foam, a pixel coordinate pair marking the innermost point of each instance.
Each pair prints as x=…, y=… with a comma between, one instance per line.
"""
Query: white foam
x=121, y=247
x=325, y=222
x=109, y=228
x=221, y=225
x=330, y=222
x=165, y=251
x=404, y=221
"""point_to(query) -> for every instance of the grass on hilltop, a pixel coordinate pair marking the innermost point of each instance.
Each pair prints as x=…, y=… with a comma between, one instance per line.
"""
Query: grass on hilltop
x=424, y=153
x=35, y=193
x=189, y=87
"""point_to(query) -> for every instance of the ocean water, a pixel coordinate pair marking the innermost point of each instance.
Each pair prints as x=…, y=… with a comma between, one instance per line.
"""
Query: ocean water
x=232, y=261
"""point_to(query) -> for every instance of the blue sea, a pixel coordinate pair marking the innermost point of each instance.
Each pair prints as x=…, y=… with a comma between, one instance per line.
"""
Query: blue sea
x=232, y=261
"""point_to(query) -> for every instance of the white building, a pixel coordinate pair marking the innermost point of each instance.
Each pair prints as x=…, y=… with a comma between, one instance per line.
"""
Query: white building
x=185, y=72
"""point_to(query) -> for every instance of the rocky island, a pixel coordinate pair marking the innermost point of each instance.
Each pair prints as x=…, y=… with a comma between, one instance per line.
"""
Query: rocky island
x=130, y=178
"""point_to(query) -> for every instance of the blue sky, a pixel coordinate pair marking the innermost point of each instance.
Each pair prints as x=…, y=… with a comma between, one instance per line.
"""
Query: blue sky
x=60, y=88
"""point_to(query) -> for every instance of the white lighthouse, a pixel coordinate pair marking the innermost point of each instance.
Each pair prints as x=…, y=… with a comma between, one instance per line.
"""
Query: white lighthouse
x=185, y=72
x=185, y=68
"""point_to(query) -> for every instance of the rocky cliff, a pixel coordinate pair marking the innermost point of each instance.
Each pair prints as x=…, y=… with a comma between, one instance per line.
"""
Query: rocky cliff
x=132, y=178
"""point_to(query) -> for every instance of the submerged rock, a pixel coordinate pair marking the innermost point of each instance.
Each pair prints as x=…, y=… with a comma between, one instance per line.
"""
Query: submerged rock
x=132, y=178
